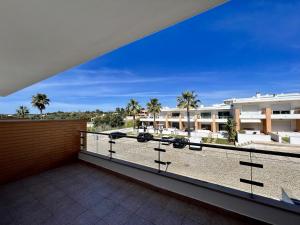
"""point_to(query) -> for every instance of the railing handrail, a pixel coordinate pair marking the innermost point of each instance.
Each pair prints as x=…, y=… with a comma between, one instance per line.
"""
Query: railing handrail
x=223, y=147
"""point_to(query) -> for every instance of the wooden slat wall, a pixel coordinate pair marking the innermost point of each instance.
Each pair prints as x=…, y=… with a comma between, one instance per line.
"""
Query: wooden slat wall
x=29, y=147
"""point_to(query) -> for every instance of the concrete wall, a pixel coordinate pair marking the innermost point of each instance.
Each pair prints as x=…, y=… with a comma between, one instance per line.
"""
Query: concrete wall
x=244, y=138
x=29, y=147
x=295, y=140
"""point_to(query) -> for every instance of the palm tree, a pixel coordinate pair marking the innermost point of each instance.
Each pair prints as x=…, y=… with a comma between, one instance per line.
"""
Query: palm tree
x=230, y=127
x=133, y=108
x=22, y=111
x=40, y=101
x=154, y=107
x=188, y=100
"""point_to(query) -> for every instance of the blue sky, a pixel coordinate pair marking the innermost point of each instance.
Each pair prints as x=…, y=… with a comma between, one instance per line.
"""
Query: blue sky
x=233, y=50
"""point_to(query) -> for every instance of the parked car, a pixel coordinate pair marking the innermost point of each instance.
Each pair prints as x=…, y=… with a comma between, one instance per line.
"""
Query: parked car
x=167, y=140
x=116, y=135
x=186, y=130
x=180, y=142
x=144, y=137
x=197, y=140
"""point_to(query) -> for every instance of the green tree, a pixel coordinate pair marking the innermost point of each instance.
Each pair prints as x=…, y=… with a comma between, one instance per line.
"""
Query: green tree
x=22, y=111
x=133, y=108
x=116, y=120
x=108, y=121
x=121, y=111
x=154, y=107
x=230, y=127
x=40, y=101
x=188, y=100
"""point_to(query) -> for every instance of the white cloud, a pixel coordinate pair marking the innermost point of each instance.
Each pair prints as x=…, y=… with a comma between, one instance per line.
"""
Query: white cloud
x=63, y=106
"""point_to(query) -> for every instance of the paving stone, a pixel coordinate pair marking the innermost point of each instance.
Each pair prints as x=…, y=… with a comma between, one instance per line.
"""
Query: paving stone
x=118, y=216
x=136, y=220
x=86, y=218
x=103, y=208
x=78, y=194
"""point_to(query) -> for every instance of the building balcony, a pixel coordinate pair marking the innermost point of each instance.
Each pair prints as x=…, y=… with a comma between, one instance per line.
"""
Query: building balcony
x=151, y=118
x=122, y=181
x=205, y=120
x=253, y=115
x=80, y=194
x=201, y=171
x=285, y=116
x=222, y=119
x=185, y=119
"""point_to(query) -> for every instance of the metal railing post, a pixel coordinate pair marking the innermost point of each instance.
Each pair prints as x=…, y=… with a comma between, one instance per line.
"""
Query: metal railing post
x=97, y=143
x=111, y=152
x=158, y=161
x=251, y=181
x=82, y=141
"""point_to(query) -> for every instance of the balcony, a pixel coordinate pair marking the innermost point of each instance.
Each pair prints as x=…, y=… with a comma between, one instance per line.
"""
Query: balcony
x=122, y=181
x=222, y=119
x=185, y=118
x=80, y=194
x=200, y=169
x=151, y=118
x=252, y=115
x=204, y=119
x=285, y=116
x=174, y=118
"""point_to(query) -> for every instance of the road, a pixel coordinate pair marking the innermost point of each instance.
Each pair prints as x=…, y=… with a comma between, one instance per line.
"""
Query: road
x=212, y=165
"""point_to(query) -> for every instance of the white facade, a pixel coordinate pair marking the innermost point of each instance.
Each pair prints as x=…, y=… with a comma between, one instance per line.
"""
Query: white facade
x=257, y=114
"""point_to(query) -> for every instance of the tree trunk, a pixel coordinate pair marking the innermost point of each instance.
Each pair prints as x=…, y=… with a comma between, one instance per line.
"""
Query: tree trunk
x=133, y=122
x=188, y=119
x=154, y=124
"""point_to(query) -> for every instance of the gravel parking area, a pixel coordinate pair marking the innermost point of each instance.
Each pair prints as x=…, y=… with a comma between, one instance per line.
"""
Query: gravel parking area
x=212, y=165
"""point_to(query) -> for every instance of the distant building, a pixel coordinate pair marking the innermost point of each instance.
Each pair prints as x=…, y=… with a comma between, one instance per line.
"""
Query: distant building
x=262, y=113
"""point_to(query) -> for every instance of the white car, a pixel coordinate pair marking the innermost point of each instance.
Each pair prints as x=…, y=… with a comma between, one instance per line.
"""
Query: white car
x=197, y=140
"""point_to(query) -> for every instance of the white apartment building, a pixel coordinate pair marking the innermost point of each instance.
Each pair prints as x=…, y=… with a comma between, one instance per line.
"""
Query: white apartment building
x=258, y=114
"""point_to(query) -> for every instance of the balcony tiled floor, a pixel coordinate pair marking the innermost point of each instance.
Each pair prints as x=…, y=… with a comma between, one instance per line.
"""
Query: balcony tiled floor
x=80, y=194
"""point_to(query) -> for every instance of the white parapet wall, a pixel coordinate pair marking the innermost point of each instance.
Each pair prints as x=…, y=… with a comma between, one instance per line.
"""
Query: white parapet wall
x=246, y=138
x=289, y=134
x=295, y=140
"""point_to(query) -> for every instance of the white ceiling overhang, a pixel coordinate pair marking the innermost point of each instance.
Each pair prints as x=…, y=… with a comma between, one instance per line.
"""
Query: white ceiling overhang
x=39, y=38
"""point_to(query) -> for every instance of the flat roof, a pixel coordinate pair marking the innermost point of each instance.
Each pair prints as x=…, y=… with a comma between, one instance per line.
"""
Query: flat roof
x=41, y=38
x=203, y=108
x=265, y=98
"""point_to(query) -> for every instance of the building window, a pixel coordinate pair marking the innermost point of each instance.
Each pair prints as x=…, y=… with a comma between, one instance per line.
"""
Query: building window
x=206, y=115
x=175, y=125
x=175, y=115
x=222, y=126
x=281, y=112
x=224, y=115
x=206, y=127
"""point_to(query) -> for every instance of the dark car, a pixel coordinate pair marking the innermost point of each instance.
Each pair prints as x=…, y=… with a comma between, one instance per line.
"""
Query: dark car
x=116, y=135
x=144, y=137
x=167, y=140
x=180, y=142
